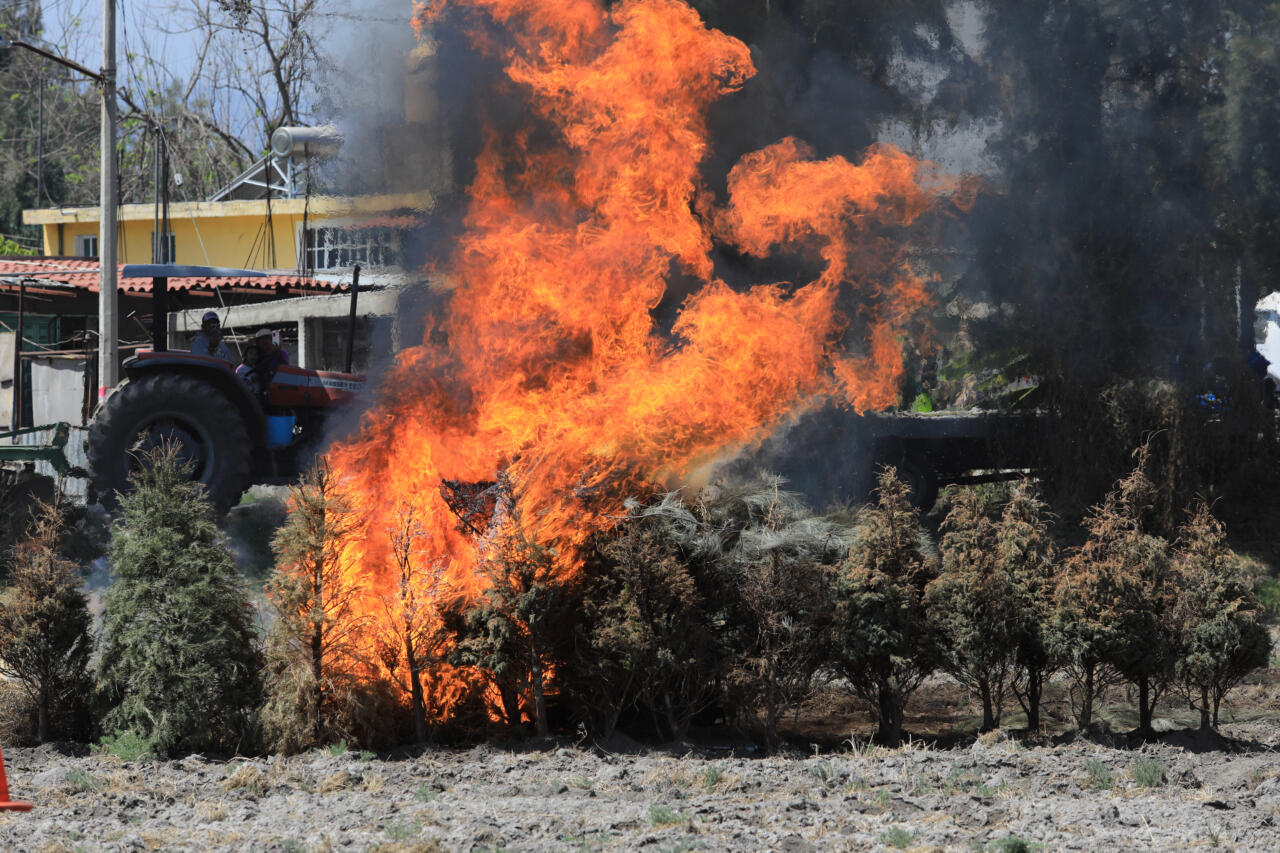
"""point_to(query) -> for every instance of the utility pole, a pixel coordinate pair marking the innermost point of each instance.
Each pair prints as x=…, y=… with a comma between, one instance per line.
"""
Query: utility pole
x=108, y=333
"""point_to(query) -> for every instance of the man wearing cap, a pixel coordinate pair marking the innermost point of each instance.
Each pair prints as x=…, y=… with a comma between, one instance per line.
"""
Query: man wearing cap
x=209, y=341
x=270, y=356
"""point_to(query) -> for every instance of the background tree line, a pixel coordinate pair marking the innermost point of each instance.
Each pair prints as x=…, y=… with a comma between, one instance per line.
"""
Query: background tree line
x=253, y=66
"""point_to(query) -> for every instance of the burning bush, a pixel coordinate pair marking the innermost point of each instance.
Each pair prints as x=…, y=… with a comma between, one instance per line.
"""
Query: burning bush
x=320, y=686
x=517, y=631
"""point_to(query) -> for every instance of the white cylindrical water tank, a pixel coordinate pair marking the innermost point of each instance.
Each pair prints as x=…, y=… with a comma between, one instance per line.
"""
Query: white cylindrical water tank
x=300, y=143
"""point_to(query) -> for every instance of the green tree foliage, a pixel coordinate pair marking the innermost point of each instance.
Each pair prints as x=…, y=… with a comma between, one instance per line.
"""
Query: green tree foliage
x=643, y=639
x=44, y=628
x=761, y=559
x=883, y=642
x=9, y=247
x=1115, y=603
x=1027, y=554
x=975, y=606
x=317, y=686
x=1222, y=636
x=180, y=663
x=518, y=630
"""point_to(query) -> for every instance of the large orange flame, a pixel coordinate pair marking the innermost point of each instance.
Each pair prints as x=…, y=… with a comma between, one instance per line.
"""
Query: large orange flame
x=547, y=365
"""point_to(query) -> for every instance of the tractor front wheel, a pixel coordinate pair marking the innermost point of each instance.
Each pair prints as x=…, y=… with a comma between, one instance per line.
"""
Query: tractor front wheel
x=167, y=408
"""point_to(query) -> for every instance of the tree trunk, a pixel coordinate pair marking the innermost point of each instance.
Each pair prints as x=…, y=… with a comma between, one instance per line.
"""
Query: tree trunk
x=889, y=706
x=510, y=708
x=539, y=697
x=317, y=674
x=988, y=712
x=42, y=716
x=677, y=723
x=1144, y=706
x=1086, y=701
x=771, y=713
x=1204, y=709
x=415, y=690
x=1035, y=685
x=317, y=648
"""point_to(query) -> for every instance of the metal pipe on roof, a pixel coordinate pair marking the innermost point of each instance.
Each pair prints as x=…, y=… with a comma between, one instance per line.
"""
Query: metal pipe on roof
x=17, y=357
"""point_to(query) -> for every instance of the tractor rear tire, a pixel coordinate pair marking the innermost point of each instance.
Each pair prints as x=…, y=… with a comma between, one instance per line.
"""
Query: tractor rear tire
x=209, y=434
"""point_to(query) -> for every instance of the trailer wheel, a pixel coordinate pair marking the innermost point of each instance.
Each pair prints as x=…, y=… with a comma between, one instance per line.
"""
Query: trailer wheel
x=199, y=420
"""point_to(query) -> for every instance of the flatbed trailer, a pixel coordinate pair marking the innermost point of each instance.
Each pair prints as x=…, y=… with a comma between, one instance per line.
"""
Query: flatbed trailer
x=834, y=455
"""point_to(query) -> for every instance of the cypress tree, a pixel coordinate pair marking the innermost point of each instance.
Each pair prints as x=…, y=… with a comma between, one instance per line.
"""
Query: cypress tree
x=314, y=690
x=643, y=638
x=1026, y=553
x=974, y=606
x=1222, y=635
x=882, y=640
x=1114, y=603
x=180, y=662
x=517, y=631
x=44, y=625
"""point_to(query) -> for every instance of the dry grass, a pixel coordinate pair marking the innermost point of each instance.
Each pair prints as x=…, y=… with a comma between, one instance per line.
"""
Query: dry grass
x=214, y=811
x=335, y=782
x=248, y=778
x=672, y=774
x=373, y=783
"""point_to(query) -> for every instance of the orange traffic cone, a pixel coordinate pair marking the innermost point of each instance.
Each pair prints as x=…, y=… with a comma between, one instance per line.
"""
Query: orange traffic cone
x=5, y=805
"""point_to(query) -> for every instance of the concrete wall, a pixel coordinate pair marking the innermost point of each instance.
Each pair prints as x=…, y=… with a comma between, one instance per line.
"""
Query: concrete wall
x=315, y=325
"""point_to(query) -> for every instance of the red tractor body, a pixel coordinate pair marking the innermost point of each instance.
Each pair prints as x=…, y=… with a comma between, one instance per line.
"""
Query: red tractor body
x=232, y=432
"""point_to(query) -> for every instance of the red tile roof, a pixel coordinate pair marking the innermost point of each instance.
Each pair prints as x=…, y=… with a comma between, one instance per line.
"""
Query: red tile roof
x=84, y=273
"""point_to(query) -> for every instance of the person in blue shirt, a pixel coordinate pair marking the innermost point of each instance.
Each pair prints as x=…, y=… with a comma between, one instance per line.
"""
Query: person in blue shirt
x=209, y=341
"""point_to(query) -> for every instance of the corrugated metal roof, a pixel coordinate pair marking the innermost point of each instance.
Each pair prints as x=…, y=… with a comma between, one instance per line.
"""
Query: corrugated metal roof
x=84, y=273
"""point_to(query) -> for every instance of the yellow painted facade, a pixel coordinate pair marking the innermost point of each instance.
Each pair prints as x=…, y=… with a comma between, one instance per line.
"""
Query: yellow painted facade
x=224, y=233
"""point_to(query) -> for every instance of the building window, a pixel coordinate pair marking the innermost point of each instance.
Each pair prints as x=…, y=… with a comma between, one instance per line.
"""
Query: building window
x=87, y=246
x=340, y=248
x=168, y=248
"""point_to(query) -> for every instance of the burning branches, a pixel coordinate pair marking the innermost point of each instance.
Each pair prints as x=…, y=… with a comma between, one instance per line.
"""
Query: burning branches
x=550, y=371
x=515, y=632
x=416, y=610
x=320, y=675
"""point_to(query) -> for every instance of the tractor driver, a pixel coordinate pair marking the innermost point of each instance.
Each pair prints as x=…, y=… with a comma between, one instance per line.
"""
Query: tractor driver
x=270, y=357
x=209, y=341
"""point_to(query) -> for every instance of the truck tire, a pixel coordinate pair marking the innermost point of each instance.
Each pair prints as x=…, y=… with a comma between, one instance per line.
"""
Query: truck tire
x=205, y=425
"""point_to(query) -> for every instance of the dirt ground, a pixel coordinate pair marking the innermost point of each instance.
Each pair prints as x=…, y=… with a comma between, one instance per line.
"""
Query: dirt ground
x=828, y=790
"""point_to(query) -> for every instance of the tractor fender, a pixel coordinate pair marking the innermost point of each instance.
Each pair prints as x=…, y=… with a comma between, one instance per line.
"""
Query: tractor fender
x=212, y=371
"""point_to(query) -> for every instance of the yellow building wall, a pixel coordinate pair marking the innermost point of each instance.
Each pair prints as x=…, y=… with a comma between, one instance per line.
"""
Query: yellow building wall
x=237, y=241
x=222, y=234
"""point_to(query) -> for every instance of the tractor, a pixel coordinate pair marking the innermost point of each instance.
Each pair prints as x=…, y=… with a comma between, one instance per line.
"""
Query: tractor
x=231, y=434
